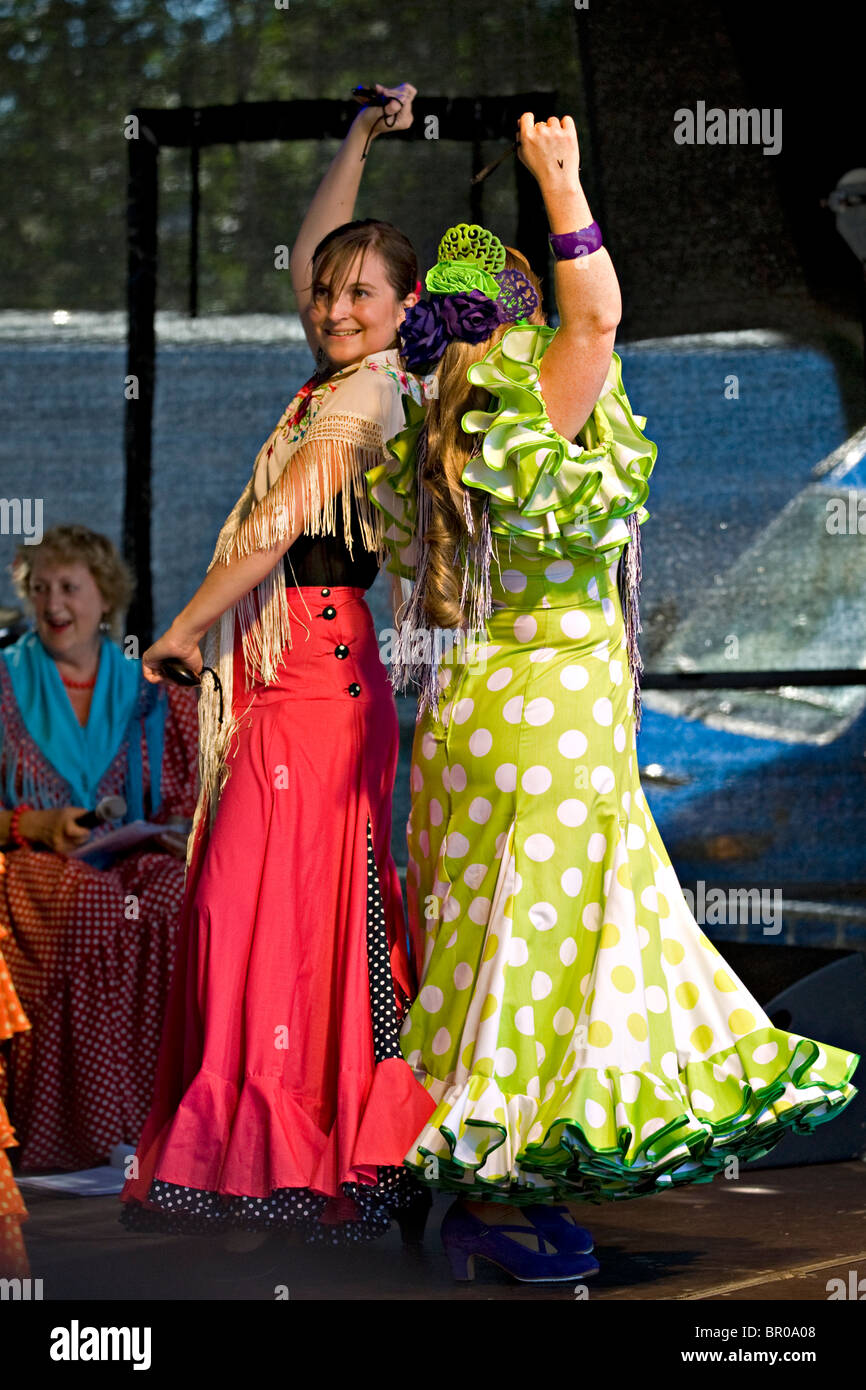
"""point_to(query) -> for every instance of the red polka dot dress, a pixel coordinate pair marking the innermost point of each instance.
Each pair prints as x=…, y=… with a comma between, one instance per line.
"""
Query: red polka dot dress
x=90, y=952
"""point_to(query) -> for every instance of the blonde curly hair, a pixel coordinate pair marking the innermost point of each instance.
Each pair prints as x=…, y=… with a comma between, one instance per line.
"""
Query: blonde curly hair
x=78, y=545
x=448, y=451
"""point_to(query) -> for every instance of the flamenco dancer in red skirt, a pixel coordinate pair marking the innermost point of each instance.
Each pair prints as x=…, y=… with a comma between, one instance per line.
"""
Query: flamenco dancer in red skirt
x=282, y=1097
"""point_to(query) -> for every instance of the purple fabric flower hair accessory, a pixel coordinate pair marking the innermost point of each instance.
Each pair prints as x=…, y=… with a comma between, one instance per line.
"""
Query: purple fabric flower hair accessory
x=423, y=335
x=431, y=324
x=470, y=316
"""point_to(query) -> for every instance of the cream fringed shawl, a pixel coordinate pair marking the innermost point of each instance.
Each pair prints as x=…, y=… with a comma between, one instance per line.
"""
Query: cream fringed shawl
x=311, y=471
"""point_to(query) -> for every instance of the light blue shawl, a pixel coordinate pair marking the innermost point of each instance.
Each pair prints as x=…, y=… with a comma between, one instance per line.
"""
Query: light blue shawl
x=82, y=756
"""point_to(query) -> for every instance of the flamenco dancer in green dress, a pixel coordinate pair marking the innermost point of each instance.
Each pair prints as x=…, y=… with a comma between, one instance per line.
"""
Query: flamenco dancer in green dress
x=581, y=1036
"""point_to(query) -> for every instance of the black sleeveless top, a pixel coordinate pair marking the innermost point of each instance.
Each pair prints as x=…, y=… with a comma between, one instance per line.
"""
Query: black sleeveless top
x=325, y=560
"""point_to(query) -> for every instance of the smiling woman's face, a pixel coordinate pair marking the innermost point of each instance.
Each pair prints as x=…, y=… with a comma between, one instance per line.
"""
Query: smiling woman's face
x=361, y=318
x=68, y=607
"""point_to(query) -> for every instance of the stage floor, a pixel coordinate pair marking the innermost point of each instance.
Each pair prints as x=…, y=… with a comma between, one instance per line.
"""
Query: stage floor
x=773, y=1234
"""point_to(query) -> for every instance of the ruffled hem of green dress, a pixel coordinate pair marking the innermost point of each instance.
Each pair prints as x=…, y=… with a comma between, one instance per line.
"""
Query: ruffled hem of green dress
x=610, y=1135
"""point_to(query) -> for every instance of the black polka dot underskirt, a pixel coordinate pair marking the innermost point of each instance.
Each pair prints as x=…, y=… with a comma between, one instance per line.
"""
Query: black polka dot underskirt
x=188, y=1211
x=191, y=1211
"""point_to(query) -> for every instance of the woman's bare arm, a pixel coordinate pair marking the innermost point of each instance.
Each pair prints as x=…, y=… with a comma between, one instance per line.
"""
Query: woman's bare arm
x=225, y=584
x=334, y=202
x=280, y=516
x=575, y=364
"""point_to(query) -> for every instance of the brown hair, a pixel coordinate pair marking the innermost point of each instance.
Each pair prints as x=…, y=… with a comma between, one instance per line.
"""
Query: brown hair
x=78, y=545
x=448, y=451
x=335, y=253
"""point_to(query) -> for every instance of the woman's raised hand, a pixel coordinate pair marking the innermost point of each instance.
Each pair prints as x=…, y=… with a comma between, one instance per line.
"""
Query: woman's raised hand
x=403, y=115
x=550, y=151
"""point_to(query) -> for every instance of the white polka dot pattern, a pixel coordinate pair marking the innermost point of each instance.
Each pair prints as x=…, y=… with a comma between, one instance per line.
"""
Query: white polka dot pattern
x=583, y=1008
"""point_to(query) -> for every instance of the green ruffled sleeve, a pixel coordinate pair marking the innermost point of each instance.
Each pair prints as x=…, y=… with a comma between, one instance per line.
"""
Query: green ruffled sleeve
x=550, y=496
x=391, y=487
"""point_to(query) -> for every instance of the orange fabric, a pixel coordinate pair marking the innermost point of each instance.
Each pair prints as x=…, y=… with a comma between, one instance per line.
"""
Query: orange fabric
x=13, y=1256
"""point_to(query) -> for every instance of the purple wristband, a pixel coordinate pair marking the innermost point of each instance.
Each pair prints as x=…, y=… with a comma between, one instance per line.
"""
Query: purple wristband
x=567, y=246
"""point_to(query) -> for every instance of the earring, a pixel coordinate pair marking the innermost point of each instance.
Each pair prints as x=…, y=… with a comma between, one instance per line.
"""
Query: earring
x=104, y=625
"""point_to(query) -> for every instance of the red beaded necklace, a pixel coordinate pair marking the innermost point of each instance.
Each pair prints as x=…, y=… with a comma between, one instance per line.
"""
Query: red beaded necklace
x=79, y=685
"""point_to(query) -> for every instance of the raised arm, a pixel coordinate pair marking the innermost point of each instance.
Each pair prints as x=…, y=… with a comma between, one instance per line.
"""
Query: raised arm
x=575, y=365
x=334, y=202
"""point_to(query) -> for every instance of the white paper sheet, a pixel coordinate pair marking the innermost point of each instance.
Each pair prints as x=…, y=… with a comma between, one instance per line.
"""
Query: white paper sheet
x=124, y=837
x=105, y=1181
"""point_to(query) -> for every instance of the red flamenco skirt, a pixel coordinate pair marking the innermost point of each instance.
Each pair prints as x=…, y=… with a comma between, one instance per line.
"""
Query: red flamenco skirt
x=282, y=1097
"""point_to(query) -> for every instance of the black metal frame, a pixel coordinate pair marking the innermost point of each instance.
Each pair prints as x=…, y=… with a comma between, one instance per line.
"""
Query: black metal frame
x=465, y=119
x=751, y=680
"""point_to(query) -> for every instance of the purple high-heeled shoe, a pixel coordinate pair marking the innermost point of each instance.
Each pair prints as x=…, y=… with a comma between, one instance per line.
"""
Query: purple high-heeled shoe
x=467, y=1238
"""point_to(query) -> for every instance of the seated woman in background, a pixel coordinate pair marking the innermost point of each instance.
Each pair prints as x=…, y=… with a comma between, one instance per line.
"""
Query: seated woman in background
x=89, y=945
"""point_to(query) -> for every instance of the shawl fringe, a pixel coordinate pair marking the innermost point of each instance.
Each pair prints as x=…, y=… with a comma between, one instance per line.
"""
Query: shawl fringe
x=322, y=482
x=420, y=647
x=628, y=582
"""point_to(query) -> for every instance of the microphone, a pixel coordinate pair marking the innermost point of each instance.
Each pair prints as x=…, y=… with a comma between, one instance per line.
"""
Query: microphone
x=109, y=808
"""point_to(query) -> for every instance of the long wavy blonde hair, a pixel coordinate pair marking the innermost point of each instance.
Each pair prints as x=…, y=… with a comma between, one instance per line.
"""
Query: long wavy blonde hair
x=448, y=451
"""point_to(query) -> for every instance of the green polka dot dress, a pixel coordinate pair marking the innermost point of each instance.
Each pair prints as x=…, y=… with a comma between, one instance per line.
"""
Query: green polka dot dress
x=579, y=1033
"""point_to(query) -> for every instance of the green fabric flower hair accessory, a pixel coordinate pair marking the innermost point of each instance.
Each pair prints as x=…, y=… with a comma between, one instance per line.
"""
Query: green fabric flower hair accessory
x=468, y=258
x=471, y=295
x=459, y=277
